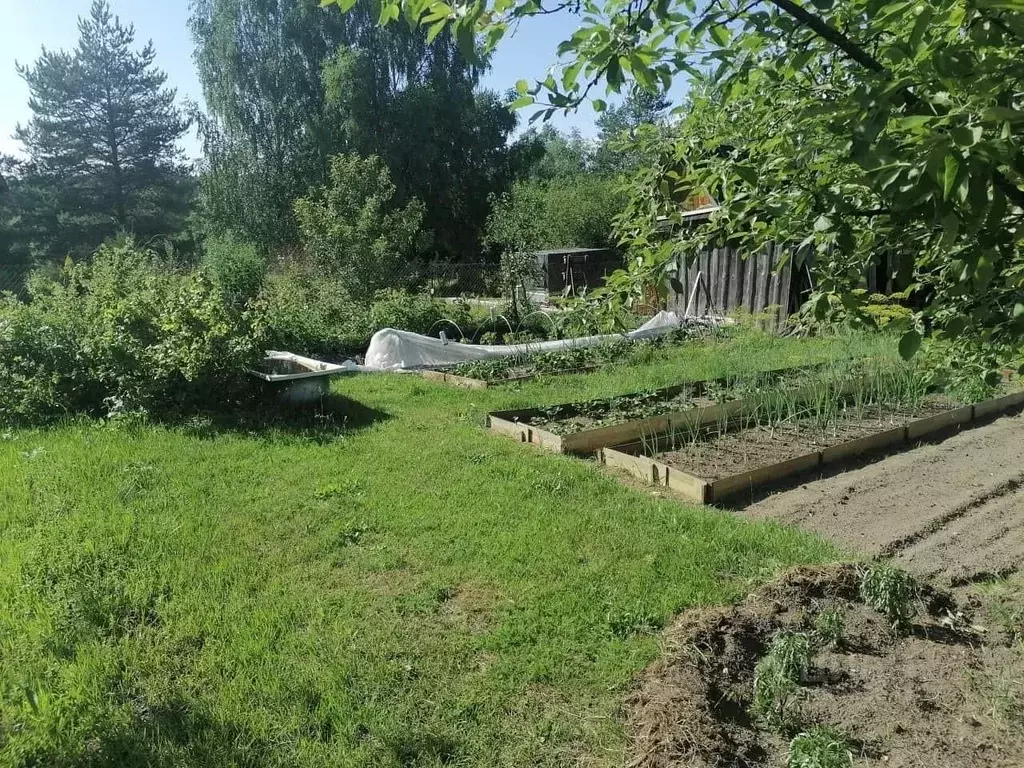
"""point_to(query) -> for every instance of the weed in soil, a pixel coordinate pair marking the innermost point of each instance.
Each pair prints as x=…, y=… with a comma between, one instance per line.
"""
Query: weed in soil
x=793, y=650
x=932, y=697
x=829, y=626
x=820, y=747
x=776, y=695
x=890, y=591
x=777, y=678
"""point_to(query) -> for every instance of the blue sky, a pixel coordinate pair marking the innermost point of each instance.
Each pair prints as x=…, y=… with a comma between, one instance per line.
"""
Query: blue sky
x=27, y=25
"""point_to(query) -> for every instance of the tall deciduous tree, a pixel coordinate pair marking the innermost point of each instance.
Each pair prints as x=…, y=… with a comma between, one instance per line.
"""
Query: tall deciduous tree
x=103, y=138
x=288, y=84
x=560, y=156
x=908, y=113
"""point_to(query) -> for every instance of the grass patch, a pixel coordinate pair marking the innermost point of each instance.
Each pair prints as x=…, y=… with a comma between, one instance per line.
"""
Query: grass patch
x=401, y=589
x=820, y=747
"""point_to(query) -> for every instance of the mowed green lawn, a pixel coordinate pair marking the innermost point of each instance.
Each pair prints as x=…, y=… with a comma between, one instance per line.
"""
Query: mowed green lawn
x=409, y=591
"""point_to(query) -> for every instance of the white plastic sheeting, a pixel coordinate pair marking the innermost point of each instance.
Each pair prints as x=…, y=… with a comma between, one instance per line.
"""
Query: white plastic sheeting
x=392, y=350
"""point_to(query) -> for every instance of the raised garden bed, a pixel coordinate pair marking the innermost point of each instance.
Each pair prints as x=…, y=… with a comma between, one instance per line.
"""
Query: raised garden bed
x=583, y=428
x=712, y=463
x=480, y=374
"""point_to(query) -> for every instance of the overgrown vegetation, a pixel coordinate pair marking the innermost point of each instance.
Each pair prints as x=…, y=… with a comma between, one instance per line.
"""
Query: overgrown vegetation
x=892, y=592
x=236, y=267
x=821, y=746
x=124, y=332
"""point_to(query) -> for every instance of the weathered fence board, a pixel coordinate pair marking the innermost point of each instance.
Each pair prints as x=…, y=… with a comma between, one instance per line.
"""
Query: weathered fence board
x=732, y=282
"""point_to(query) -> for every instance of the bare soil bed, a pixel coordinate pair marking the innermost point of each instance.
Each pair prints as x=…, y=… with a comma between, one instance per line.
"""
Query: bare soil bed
x=715, y=453
x=949, y=694
x=951, y=511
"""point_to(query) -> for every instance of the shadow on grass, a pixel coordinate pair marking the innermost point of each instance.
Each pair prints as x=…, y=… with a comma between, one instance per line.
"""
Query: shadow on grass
x=166, y=736
x=323, y=421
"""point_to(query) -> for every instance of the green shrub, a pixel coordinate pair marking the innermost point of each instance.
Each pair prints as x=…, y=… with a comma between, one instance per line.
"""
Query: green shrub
x=890, y=591
x=418, y=313
x=42, y=374
x=237, y=268
x=352, y=228
x=820, y=747
x=304, y=308
x=886, y=315
x=122, y=333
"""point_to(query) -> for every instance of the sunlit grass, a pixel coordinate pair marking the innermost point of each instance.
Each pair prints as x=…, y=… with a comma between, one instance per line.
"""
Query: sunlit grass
x=407, y=590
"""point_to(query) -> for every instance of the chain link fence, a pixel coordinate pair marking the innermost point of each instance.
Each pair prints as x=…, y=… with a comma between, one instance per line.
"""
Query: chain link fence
x=448, y=280
x=13, y=278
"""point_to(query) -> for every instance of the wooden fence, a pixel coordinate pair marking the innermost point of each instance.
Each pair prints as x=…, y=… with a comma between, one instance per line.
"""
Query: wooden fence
x=721, y=280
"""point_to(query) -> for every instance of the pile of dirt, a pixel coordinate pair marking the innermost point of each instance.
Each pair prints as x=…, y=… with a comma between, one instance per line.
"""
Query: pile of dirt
x=937, y=697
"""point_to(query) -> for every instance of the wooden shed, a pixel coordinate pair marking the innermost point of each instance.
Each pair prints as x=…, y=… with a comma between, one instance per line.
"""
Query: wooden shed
x=568, y=271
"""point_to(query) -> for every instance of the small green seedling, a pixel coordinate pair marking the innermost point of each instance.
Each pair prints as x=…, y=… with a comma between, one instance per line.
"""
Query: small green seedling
x=777, y=678
x=829, y=626
x=890, y=591
x=820, y=747
x=774, y=694
x=793, y=650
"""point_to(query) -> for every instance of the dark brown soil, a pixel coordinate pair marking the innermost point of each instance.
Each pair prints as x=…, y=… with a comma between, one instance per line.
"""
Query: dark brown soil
x=737, y=450
x=949, y=694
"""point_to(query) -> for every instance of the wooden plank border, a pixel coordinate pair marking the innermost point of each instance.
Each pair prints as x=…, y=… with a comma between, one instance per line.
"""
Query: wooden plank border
x=465, y=382
x=457, y=381
x=629, y=457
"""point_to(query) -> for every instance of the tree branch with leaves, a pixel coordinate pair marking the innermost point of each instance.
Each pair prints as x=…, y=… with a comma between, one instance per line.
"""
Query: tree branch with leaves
x=912, y=111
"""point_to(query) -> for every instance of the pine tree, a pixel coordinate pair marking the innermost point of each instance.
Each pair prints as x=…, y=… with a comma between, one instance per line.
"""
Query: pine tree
x=619, y=123
x=103, y=137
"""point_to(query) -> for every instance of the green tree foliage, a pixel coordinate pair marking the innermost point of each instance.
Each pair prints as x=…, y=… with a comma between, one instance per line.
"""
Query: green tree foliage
x=557, y=155
x=868, y=127
x=444, y=143
x=236, y=267
x=353, y=229
x=617, y=150
x=101, y=142
x=289, y=84
x=562, y=213
x=267, y=137
x=8, y=213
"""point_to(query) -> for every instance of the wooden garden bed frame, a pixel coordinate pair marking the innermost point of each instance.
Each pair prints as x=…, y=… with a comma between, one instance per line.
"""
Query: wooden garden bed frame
x=456, y=381
x=434, y=374
x=589, y=441
x=629, y=456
